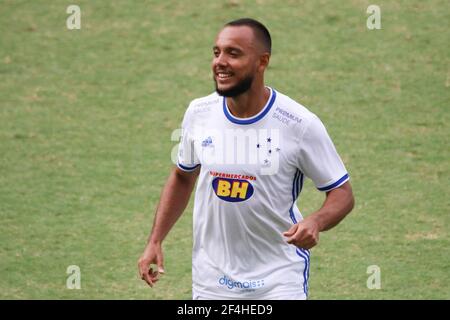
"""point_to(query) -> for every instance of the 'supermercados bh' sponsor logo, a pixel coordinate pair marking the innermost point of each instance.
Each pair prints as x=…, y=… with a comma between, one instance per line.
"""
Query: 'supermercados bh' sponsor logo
x=232, y=190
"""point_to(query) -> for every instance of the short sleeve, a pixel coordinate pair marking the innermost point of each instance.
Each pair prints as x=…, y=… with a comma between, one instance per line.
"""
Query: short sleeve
x=187, y=159
x=318, y=158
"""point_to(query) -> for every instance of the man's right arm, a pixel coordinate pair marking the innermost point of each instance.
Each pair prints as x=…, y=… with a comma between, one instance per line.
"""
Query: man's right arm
x=174, y=199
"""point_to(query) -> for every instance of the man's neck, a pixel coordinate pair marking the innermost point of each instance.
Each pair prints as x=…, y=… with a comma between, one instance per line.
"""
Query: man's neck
x=249, y=103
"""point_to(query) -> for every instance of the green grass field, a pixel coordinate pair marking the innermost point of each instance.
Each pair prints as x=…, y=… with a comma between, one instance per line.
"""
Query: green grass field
x=86, y=118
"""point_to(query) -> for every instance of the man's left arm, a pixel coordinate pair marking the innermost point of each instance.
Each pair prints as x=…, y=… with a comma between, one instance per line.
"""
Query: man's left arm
x=338, y=203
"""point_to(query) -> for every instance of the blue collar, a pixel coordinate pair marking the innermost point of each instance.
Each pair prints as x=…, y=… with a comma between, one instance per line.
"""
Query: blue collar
x=255, y=118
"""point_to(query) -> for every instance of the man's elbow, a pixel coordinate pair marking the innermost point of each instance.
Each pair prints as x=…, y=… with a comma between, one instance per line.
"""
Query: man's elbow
x=352, y=203
x=350, y=197
x=184, y=177
x=346, y=197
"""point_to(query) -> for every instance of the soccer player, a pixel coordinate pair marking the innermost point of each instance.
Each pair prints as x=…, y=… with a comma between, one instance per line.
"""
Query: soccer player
x=251, y=147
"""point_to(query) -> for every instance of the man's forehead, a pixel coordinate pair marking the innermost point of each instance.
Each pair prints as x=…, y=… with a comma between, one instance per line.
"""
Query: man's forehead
x=241, y=36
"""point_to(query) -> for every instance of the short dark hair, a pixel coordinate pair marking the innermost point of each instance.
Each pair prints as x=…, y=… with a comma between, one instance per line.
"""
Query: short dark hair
x=260, y=31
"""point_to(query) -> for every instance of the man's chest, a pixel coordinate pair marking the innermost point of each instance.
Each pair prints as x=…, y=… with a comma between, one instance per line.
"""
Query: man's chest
x=261, y=150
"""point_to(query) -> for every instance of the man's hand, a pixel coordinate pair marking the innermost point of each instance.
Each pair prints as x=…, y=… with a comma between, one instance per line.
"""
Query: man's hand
x=174, y=199
x=338, y=203
x=304, y=234
x=152, y=255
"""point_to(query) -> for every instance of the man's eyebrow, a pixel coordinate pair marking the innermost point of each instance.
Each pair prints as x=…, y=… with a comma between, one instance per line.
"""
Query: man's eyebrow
x=234, y=49
x=228, y=49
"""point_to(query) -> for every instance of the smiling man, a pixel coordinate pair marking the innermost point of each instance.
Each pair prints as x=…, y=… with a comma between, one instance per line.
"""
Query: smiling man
x=250, y=147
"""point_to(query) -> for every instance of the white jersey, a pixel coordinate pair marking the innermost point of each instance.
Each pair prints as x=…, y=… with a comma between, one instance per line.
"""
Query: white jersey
x=251, y=174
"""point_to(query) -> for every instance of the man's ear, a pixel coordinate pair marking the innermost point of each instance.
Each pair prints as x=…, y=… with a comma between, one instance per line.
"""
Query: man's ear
x=263, y=61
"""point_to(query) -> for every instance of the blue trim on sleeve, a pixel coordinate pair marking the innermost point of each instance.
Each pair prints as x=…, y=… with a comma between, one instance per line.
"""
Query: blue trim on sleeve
x=336, y=184
x=186, y=168
x=250, y=120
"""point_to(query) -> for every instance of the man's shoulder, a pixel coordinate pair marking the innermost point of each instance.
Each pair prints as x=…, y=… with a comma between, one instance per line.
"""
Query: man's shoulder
x=292, y=108
x=204, y=104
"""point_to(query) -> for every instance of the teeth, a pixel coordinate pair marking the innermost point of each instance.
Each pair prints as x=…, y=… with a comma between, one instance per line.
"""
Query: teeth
x=223, y=75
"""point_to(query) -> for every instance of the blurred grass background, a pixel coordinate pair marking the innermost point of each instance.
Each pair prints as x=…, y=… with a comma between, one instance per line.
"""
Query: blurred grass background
x=86, y=118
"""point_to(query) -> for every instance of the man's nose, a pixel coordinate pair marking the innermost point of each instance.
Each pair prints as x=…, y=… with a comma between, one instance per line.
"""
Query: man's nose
x=220, y=60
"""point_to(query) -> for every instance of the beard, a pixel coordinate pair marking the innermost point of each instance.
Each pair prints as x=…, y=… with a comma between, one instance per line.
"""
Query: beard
x=241, y=87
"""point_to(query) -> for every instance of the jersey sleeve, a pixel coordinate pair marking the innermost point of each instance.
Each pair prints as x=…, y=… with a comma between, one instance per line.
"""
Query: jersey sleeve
x=318, y=158
x=187, y=159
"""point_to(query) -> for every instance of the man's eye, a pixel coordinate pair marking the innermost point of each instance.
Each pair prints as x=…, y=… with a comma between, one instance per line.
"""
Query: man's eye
x=216, y=53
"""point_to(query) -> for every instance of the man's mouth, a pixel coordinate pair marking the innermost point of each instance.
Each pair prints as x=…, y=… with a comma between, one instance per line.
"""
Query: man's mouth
x=223, y=75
